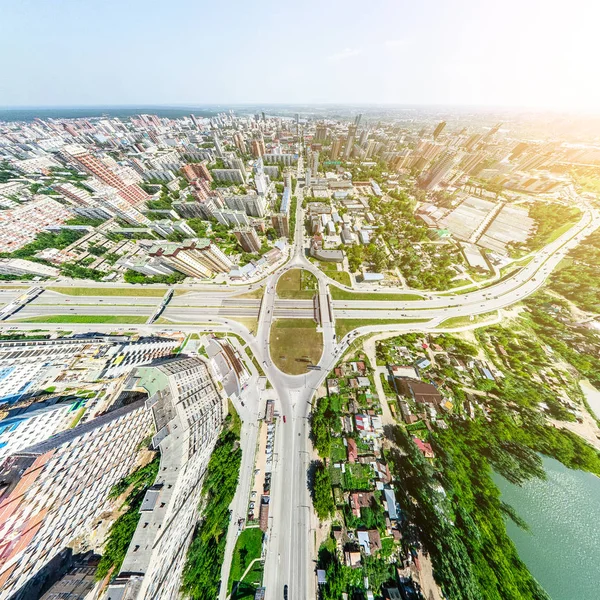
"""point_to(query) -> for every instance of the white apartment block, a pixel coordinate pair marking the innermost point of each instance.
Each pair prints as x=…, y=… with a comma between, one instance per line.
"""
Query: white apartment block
x=18, y=266
x=188, y=412
x=27, y=367
x=229, y=175
x=252, y=204
x=35, y=424
x=280, y=159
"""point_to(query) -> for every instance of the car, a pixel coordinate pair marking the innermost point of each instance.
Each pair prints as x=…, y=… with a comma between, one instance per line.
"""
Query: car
x=284, y=419
x=251, y=505
x=285, y=592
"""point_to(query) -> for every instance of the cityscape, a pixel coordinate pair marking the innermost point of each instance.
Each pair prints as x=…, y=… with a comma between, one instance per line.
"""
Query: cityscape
x=310, y=349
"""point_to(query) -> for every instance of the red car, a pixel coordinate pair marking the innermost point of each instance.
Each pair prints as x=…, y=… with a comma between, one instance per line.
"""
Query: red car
x=284, y=419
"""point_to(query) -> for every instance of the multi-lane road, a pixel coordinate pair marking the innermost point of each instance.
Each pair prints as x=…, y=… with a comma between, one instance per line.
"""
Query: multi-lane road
x=291, y=534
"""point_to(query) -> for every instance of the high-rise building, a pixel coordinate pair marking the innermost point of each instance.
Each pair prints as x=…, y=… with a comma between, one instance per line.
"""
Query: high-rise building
x=188, y=412
x=439, y=128
x=248, y=239
x=281, y=224
x=116, y=205
x=53, y=490
x=37, y=423
x=239, y=142
x=439, y=172
x=321, y=133
x=336, y=146
x=257, y=148
x=229, y=175
x=314, y=162
x=349, y=141
x=370, y=148
x=231, y=217
x=195, y=258
x=252, y=204
x=218, y=147
x=129, y=190
x=199, y=170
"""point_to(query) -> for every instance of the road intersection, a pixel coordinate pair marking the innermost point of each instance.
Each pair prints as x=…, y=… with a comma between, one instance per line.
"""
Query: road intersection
x=290, y=546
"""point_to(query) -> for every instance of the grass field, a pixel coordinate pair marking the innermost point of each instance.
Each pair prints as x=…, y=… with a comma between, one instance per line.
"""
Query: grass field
x=124, y=319
x=254, y=294
x=463, y=321
x=247, y=548
x=344, y=326
x=294, y=344
x=249, y=323
x=340, y=294
x=331, y=271
x=298, y=284
x=109, y=291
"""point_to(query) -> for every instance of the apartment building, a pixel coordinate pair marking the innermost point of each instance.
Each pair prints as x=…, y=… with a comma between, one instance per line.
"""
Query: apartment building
x=188, y=412
x=195, y=258
x=36, y=423
x=18, y=266
x=248, y=239
x=29, y=366
x=229, y=175
x=280, y=159
x=20, y=225
x=252, y=204
x=123, y=182
x=54, y=490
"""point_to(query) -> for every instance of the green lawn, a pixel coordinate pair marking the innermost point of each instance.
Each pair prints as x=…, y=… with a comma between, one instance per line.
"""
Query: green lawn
x=124, y=319
x=109, y=291
x=340, y=294
x=298, y=284
x=294, y=344
x=247, y=548
x=344, y=326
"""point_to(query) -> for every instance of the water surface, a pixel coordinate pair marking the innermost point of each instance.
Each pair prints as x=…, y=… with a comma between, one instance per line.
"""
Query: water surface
x=562, y=549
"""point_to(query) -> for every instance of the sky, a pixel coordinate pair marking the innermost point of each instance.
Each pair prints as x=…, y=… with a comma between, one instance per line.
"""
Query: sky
x=521, y=53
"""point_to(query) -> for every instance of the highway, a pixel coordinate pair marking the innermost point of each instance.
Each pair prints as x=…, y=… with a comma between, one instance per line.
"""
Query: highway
x=290, y=547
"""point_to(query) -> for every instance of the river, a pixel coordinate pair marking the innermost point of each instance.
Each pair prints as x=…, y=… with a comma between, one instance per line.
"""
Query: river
x=562, y=549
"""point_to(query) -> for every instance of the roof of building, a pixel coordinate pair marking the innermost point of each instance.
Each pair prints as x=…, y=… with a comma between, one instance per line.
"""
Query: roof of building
x=420, y=391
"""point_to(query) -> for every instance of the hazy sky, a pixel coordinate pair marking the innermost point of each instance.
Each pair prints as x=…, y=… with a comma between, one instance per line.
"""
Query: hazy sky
x=475, y=52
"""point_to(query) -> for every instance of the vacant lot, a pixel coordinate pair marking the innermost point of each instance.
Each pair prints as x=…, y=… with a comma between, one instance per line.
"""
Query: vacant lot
x=298, y=284
x=108, y=291
x=295, y=344
x=85, y=319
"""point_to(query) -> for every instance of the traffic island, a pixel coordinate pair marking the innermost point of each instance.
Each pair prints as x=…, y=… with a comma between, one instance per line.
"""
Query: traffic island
x=295, y=344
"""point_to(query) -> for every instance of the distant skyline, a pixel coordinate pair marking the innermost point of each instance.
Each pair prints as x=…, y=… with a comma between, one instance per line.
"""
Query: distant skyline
x=519, y=53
